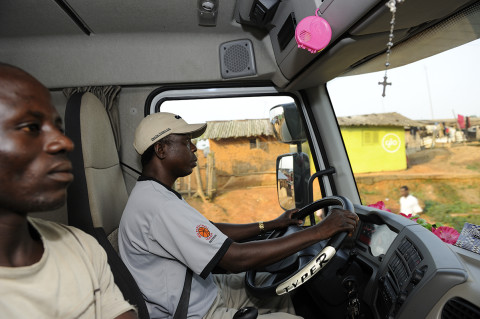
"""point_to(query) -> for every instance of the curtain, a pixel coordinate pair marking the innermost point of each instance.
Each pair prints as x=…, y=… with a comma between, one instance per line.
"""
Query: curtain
x=108, y=95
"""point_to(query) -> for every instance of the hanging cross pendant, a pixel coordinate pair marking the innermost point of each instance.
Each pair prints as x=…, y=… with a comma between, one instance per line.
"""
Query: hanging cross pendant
x=392, y=5
x=384, y=83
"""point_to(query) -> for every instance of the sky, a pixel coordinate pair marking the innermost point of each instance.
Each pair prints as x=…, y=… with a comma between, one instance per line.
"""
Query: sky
x=439, y=87
x=433, y=88
x=199, y=111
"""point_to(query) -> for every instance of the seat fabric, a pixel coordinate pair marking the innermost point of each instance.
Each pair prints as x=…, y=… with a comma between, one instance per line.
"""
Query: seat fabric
x=97, y=196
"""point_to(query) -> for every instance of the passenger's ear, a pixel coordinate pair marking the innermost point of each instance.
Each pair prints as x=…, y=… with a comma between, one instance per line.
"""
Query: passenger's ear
x=160, y=150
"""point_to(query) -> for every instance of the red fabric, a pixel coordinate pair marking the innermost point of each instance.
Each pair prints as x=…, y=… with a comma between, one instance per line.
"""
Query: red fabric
x=461, y=121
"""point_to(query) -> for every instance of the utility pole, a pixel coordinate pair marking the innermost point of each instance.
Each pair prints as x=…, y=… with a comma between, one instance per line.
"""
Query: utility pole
x=428, y=90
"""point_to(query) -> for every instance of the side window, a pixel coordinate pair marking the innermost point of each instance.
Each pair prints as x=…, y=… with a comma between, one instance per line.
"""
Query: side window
x=236, y=179
x=370, y=137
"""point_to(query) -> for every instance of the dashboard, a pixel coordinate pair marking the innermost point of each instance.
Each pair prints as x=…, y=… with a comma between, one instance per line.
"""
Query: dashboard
x=398, y=269
x=411, y=268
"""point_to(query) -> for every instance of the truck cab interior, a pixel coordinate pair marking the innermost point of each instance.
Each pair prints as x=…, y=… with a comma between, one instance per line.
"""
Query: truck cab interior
x=108, y=64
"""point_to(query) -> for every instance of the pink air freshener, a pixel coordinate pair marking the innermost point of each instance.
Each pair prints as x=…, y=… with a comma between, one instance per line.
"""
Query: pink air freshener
x=313, y=33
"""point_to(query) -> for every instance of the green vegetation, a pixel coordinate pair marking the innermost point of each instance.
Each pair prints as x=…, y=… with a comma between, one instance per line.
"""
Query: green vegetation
x=367, y=192
x=446, y=191
x=474, y=166
x=454, y=214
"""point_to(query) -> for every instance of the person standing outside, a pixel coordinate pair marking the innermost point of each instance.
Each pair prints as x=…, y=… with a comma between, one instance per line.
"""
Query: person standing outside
x=409, y=203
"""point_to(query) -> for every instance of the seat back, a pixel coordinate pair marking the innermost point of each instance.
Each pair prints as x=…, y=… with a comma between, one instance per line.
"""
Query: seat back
x=97, y=196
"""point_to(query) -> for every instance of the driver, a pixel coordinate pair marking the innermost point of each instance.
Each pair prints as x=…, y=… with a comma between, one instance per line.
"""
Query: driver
x=161, y=235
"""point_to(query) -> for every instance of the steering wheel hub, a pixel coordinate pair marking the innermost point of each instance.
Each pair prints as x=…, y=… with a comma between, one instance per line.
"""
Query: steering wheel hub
x=310, y=270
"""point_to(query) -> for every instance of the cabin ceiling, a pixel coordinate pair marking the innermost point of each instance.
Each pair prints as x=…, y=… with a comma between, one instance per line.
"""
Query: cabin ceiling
x=150, y=42
x=26, y=18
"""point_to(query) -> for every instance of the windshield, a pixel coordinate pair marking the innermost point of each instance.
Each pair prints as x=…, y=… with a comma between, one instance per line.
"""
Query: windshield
x=416, y=150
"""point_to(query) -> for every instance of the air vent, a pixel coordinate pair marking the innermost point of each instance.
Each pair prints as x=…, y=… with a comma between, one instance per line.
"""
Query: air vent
x=398, y=271
x=460, y=308
x=410, y=254
x=287, y=31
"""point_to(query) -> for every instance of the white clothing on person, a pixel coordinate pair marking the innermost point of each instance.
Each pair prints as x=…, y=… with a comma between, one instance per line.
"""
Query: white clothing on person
x=409, y=205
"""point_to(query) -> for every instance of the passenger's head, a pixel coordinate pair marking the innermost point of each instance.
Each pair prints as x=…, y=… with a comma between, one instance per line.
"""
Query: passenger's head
x=160, y=129
x=34, y=168
x=404, y=191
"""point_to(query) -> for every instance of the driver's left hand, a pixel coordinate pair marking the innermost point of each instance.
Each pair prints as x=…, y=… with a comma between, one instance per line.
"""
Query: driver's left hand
x=285, y=219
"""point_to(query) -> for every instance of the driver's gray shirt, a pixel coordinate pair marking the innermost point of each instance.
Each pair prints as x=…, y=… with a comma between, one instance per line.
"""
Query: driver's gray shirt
x=159, y=234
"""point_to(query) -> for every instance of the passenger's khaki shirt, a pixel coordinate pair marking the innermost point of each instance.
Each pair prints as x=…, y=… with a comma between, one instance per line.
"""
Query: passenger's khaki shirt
x=71, y=280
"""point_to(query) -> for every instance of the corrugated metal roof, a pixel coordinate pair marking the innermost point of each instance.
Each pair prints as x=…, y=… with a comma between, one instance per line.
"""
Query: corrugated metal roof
x=241, y=128
x=261, y=127
x=381, y=119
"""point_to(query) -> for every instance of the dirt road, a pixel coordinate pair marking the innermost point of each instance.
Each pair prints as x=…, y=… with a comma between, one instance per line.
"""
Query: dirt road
x=455, y=168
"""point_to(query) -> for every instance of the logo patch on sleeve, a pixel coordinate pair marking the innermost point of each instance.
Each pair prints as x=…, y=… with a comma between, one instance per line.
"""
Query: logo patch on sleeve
x=204, y=232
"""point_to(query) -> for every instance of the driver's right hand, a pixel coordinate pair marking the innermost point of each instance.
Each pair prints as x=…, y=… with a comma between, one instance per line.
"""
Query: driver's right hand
x=337, y=221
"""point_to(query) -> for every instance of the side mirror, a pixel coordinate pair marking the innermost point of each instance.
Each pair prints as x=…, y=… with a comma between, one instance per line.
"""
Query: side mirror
x=286, y=124
x=293, y=172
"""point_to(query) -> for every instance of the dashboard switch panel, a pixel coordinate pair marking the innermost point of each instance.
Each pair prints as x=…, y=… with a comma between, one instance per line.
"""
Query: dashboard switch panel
x=401, y=271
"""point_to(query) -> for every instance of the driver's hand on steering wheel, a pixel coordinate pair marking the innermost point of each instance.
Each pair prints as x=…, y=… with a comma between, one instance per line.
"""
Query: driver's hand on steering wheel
x=285, y=219
x=338, y=220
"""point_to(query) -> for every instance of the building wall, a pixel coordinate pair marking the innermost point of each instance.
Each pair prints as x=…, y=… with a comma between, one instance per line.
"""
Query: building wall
x=238, y=164
x=238, y=156
x=375, y=149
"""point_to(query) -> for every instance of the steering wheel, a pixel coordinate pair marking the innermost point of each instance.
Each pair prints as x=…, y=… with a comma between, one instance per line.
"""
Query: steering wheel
x=288, y=274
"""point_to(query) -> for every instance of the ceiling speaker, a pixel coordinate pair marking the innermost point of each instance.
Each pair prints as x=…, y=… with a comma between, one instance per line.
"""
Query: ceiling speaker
x=236, y=59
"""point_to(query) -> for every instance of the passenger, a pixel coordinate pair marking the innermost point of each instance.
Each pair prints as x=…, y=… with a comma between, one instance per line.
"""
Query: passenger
x=47, y=270
x=409, y=203
x=160, y=234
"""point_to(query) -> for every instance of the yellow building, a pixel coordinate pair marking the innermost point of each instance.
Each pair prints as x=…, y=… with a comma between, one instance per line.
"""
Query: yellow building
x=376, y=142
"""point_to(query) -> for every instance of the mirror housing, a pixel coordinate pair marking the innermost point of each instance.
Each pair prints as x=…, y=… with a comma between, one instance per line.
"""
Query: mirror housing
x=293, y=172
x=287, y=125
